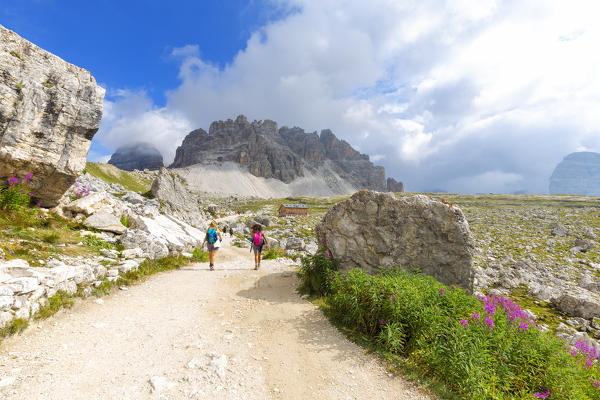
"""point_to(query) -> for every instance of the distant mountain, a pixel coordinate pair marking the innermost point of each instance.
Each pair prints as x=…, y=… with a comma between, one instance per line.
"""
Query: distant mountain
x=285, y=154
x=577, y=173
x=138, y=156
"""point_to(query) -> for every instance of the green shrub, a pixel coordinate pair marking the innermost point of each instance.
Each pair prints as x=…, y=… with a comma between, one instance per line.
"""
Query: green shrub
x=199, y=255
x=274, y=253
x=15, y=326
x=96, y=243
x=317, y=273
x=125, y=220
x=480, y=348
x=55, y=303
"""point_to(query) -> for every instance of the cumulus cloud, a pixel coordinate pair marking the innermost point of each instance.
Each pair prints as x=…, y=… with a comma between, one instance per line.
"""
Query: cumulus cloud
x=471, y=96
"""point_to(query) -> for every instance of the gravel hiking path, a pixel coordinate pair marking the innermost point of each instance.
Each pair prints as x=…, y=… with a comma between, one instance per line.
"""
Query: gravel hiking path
x=234, y=333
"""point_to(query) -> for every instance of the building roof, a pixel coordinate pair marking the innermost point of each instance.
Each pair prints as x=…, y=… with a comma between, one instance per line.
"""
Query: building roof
x=294, y=206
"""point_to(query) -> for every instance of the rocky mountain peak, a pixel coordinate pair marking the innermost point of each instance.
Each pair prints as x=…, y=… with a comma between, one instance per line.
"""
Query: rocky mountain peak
x=577, y=173
x=139, y=155
x=284, y=154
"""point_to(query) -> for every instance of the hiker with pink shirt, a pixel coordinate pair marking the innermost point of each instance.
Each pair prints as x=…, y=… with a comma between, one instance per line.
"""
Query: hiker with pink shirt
x=258, y=239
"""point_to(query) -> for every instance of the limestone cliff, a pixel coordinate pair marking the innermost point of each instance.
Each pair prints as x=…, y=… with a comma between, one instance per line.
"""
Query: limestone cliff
x=284, y=154
x=138, y=156
x=577, y=173
x=49, y=112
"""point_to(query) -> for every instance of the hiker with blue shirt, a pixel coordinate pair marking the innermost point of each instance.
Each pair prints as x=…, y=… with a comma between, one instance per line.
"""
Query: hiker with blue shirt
x=257, y=240
x=213, y=240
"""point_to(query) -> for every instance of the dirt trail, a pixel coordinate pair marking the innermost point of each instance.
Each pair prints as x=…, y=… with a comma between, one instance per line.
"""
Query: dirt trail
x=234, y=333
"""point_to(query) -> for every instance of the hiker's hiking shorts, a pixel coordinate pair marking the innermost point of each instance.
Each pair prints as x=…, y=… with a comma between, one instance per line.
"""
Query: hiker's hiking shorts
x=257, y=249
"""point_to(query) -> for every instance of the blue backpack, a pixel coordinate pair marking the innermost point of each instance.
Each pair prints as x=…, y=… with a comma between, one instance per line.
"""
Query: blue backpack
x=212, y=236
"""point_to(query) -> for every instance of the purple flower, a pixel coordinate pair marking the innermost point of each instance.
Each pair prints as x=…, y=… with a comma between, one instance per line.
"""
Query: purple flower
x=327, y=253
x=545, y=393
x=393, y=298
x=442, y=291
x=382, y=321
x=464, y=322
x=30, y=194
x=524, y=326
x=28, y=176
x=489, y=321
x=475, y=317
x=38, y=205
x=13, y=180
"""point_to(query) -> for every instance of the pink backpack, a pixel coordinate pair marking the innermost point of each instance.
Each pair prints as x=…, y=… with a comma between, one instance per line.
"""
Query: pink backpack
x=257, y=239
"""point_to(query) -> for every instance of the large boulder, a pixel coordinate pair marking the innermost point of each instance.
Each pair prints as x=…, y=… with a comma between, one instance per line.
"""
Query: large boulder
x=372, y=229
x=105, y=220
x=175, y=198
x=138, y=155
x=49, y=112
x=175, y=234
x=152, y=247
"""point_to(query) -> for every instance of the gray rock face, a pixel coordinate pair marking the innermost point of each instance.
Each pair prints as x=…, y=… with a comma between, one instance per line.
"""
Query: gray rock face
x=49, y=112
x=138, y=156
x=176, y=199
x=577, y=173
x=282, y=154
x=373, y=229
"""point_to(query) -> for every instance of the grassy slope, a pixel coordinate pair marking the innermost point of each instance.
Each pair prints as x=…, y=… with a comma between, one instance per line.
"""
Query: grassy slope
x=111, y=174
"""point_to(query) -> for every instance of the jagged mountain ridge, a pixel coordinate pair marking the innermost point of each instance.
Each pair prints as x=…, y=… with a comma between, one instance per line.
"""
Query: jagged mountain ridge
x=284, y=154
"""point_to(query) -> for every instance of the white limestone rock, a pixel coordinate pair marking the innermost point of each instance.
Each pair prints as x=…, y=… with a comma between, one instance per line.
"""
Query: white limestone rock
x=49, y=112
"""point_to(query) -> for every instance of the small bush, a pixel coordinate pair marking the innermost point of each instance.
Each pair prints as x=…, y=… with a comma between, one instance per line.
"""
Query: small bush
x=274, y=253
x=96, y=243
x=15, y=326
x=17, y=195
x=317, y=273
x=55, y=303
x=199, y=255
x=125, y=220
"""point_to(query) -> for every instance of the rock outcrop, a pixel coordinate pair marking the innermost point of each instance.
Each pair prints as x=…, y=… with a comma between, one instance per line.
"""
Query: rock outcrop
x=138, y=156
x=49, y=112
x=284, y=154
x=577, y=173
x=175, y=199
x=371, y=230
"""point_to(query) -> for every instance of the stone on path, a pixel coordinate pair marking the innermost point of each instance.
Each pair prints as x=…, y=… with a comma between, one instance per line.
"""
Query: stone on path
x=160, y=384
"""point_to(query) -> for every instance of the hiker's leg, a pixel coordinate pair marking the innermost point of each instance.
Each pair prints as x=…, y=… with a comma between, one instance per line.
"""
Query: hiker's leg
x=211, y=257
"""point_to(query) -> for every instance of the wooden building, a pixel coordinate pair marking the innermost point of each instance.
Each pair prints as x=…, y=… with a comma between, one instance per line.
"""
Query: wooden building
x=292, y=210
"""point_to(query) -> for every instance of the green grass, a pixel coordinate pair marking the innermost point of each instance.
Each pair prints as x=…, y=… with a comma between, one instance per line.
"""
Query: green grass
x=198, y=255
x=55, y=303
x=274, y=253
x=430, y=330
x=111, y=174
x=14, y=327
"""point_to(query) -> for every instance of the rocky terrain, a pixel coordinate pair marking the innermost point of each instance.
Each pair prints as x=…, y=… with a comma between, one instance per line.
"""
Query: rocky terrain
x=49, y=112
x=285, y=154
x=577, y=173
x=138, y=156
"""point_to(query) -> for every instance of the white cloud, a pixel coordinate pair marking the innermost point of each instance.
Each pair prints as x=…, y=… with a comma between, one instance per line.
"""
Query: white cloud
x=479, y=95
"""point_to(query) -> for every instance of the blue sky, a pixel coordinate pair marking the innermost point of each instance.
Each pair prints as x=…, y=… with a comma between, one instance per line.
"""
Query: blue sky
x=462, y=96
x=128, y=44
